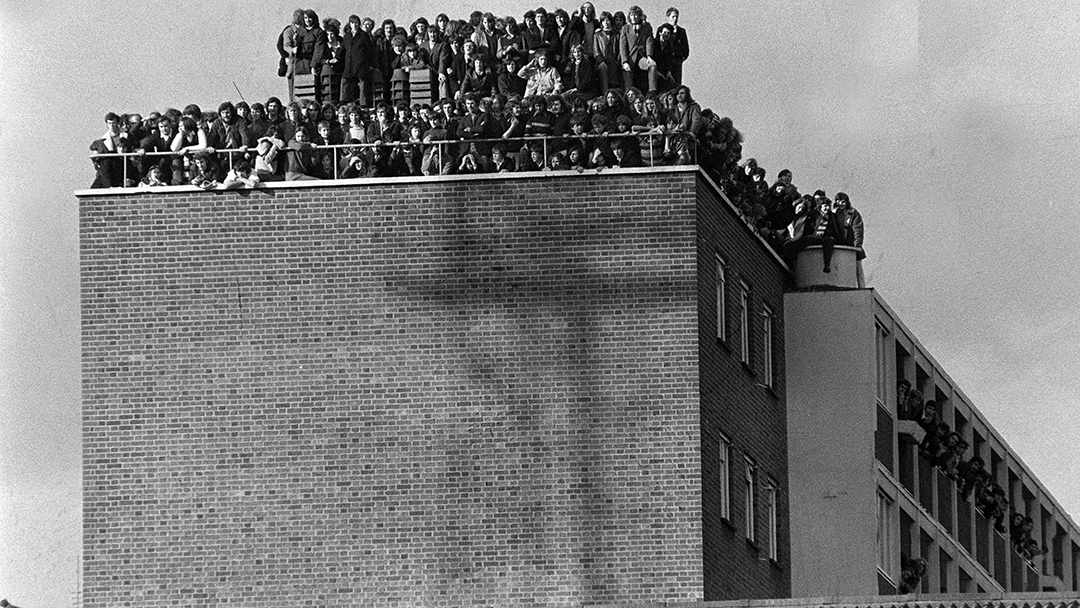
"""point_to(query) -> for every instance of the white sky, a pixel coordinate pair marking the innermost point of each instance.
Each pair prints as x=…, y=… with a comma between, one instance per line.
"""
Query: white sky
x=953, y=126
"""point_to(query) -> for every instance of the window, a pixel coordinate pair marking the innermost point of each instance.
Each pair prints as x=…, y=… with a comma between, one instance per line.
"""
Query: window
x=767, y=343
x=885, y=531
x=750, y=496
x=724, y=478
x=744, y=320
x=771, y=518
x=882, y=364
x=721, y=298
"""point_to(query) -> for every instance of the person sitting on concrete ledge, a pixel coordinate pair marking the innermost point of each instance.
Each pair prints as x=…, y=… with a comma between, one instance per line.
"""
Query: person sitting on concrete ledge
x=810, y=227
x=849, y=224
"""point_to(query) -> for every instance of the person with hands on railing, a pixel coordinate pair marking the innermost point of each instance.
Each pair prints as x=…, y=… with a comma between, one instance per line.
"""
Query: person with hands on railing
x=438, y=159
x=229, y=131
x=242, y=175
x=110, y=172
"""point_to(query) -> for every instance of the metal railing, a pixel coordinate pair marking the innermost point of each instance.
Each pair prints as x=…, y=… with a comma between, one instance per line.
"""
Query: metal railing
x=658, y=151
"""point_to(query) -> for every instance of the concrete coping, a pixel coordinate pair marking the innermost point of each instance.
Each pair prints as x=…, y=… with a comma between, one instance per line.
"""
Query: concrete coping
x=383, y=181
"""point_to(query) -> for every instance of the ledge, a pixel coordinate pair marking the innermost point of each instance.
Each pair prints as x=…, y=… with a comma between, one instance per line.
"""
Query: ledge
x=382, y=181
x=911, y=430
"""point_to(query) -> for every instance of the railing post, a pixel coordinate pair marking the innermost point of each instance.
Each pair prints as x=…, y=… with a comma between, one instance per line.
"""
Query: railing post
x=545, y=150
x=652, y=151
x=123, y=161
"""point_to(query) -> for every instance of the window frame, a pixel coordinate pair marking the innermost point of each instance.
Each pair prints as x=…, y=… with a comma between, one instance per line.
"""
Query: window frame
x=772, y=518
x=768, y=319
x=750, y=500
x=721, y=298
x=881, y=335
x=744, y=321
x=724, y=474
x=886, y=533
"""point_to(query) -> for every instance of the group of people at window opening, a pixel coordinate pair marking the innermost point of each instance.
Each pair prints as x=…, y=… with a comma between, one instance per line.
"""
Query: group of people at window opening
x=944, y=448
x=790, y=221
x=583, y=52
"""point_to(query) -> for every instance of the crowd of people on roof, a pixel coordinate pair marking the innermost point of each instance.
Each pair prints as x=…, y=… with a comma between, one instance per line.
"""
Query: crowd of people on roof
x=557, y=91
x=790, y=221
x=944, y=448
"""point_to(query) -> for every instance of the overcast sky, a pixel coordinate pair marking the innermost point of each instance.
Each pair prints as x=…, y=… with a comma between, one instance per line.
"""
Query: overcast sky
x=953, y=125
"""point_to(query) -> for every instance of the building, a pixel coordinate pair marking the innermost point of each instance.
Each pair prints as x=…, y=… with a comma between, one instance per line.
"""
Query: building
x=499, y=389
x=552, y=388
x=865, y=497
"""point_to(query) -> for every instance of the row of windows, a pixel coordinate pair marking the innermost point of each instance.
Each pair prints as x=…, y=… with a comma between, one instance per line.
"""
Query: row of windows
x=746, y=325
x=750, y=499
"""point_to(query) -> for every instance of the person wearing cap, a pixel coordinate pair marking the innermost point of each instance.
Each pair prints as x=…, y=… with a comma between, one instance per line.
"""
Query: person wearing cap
x=636, y=49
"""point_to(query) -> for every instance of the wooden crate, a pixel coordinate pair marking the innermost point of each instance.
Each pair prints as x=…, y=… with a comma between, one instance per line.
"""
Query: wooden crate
x=304, y=86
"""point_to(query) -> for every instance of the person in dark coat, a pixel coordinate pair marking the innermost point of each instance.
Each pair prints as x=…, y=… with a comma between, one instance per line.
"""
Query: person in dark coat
x=310, y=47
x=636, y=49
x=666, y=55
x=682, y=45
x=439, y=60
x=110, y=172
x=356, y=69
x=580, y=75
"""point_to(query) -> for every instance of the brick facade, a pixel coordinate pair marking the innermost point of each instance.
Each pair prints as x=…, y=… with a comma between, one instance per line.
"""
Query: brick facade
x=736, y=405
x=440, y=392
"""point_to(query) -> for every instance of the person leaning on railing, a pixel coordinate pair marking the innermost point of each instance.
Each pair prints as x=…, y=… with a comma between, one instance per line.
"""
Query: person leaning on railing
x=110, y=172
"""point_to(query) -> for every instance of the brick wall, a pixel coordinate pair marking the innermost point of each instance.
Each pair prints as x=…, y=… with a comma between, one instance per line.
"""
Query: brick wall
x=436, y=393
x=736, y=405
